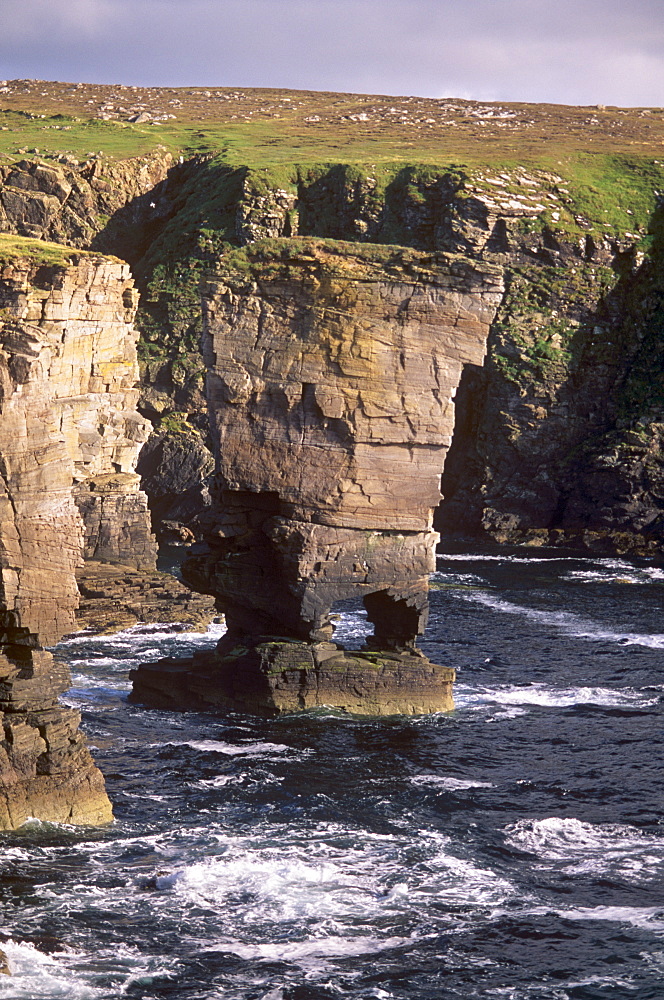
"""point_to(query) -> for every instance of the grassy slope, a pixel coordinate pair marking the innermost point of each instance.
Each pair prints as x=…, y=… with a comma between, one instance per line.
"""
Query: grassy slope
x=14, y=249
x=611, y=158
x=265, y=128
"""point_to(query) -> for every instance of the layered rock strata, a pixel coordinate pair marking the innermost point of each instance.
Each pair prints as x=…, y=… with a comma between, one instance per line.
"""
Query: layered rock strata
x=67, y=371
x=115, y=597
x=331, y=376
x=71, y=202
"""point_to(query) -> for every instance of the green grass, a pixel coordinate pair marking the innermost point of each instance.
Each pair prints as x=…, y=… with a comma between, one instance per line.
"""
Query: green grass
x=14, y=249
x=260, y=127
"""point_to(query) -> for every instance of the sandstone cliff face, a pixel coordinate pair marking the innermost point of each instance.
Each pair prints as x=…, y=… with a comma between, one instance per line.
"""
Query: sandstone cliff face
x=566, y=259
x=330, y=389
x=332, y=371
x=524, y=475
x=67, y=427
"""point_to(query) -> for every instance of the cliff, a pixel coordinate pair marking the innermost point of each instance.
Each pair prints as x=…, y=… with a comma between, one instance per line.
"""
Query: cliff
x=560, y=438
x=69, y=439
x=559, y=432
x=332, y=369
x=578, y=323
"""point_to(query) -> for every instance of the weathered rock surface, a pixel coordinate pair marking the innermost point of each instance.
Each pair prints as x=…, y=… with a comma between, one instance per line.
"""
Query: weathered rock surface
x=71, y=203
x=115, y=597
x=71, y=348
x=560, y=438
x=176, y=467
x=288, y=676
x=170, y=221
x=332, y=371
x=67, y=374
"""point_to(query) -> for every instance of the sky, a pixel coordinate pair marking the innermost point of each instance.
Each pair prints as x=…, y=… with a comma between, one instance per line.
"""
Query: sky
x=560, y=51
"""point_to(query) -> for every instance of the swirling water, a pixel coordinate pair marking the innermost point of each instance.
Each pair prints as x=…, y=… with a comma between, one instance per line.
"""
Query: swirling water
x=512, y=849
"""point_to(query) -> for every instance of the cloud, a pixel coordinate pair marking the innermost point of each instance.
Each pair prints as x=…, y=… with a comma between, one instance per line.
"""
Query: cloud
x=594, y=51
x=27, y=21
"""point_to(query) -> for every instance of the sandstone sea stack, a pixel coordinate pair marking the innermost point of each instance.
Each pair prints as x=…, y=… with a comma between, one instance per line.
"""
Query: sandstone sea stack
x=69, y=439
x=332, y=370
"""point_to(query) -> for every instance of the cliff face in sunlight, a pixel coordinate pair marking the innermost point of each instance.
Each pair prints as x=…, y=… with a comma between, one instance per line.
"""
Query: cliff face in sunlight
x=69, y=439
x=332, y=369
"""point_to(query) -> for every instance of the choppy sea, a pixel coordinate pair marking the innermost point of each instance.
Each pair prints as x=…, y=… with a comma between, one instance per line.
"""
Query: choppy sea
x=512, y=849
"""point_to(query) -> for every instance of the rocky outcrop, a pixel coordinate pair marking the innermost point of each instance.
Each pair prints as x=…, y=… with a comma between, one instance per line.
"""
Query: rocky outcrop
x=114, y=597
x=332, y=371
x=67, y=374
x=176, y=468
x=171, y=222
x=589, y=473
x=71, y=202
x=560, y=437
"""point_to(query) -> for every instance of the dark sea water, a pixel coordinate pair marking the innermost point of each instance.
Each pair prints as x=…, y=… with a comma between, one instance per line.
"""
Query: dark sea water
x=512, y=849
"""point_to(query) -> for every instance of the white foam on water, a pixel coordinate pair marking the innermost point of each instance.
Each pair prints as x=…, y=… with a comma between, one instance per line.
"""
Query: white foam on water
x=35, y=975
x=459, y=880
x=352, y=627
x=154, y=632
x=231, y=749
x=281, y=886
x=650, y=918
x=316, y=894
x=566, y=621
x=450, y=784
x=549, y=697
x=218, y=782
x=603, y=576
x=314, y=954
x=588, y=848
x=458, y=579
x=504, y=558
x=91, y=684
x=616, y=571
x=325, y=878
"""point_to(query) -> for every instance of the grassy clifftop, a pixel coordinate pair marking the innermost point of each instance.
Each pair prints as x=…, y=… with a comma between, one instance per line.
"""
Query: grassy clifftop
x=14, y=249
x=259, y=127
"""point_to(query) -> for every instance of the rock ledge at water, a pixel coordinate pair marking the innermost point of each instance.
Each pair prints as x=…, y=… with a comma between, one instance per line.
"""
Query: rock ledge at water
x=279, y=675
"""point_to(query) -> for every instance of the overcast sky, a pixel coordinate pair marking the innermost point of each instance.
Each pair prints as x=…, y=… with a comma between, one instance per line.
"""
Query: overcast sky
x=562, y=51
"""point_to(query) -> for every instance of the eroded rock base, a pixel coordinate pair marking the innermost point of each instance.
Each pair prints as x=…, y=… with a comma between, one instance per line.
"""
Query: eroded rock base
x=280, y=675
x=46, y=770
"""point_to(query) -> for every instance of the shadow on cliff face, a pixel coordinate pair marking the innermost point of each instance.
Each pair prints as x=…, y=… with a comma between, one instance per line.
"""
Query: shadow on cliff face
x=169, y=235
x=134, y=228
x=415, y=209
x=559, y=437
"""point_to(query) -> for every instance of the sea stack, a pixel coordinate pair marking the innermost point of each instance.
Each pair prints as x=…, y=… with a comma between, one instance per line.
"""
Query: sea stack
x=332, y=369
